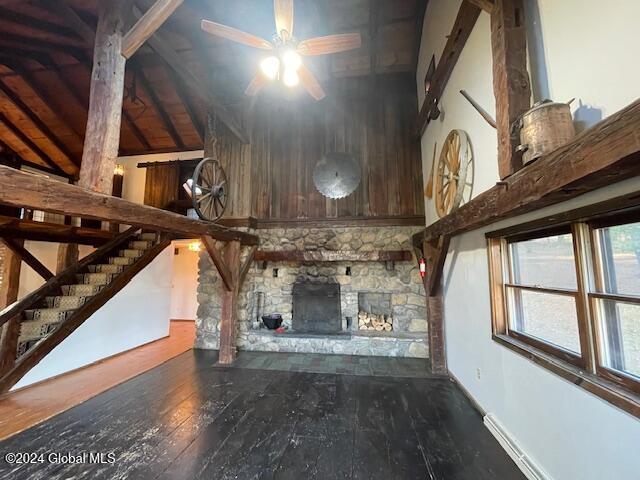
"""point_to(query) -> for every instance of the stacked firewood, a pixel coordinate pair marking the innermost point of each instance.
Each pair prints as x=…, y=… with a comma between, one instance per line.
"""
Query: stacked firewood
x=371, y=321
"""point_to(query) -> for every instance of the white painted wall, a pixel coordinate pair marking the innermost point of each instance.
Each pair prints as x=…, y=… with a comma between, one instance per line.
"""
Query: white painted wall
x=584, y=51
x=184, y=284
x=138, y=314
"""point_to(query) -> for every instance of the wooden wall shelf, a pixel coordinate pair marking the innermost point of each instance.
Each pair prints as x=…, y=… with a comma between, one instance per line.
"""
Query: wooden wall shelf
x=333, y=256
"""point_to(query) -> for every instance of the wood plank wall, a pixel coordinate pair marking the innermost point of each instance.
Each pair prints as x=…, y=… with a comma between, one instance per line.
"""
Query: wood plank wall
x=373, y=118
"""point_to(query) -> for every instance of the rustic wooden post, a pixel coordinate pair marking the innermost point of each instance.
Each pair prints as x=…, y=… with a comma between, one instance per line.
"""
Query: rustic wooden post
x=102, y=138
x=228, y=318
x=435, y=306
x=511, y=84
x=9, y=283
x=67, y=256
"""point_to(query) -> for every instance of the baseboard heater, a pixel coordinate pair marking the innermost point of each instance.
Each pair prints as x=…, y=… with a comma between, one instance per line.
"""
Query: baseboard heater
x=524, y=463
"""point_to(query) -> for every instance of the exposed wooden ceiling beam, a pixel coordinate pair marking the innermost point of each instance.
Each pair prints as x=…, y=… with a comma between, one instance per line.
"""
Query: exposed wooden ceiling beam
x=157, y=106
x=486, y=5
x=20, y=105
x=126, y=117
x=179, y=88
x=34, y=23
x=422, y=10
x=606, y=153
x=30, y=191
x=29, y=43
x=62, y=9
x=163, y=48
x=26, y=141
x=24, y=229
x=15, y=160
x=51, y=103
x=147, y=25
x=466, y=19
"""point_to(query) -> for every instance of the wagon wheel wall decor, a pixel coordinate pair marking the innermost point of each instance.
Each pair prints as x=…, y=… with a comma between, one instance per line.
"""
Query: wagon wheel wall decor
x=454, y=176
x=209, y=190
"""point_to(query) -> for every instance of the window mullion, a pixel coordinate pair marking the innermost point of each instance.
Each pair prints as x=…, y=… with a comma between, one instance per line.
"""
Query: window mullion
x=584, y=274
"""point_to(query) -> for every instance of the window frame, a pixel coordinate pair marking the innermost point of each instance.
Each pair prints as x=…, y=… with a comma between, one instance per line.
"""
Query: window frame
x=587, y=369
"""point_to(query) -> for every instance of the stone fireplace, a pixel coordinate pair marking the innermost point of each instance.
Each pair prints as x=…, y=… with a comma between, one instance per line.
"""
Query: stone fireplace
x=301, y=291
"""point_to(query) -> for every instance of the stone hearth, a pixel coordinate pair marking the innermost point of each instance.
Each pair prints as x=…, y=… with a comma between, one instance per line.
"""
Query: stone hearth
x=363, y=286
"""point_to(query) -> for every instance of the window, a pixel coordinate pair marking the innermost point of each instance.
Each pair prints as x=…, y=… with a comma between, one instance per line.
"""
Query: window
x=568, y=296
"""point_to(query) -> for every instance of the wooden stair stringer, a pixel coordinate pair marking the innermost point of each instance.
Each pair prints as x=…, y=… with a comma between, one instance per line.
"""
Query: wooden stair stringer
x=32, y=357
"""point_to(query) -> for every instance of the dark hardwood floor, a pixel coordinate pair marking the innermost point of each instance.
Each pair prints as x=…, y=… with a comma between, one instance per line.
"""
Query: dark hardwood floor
x=189, y=420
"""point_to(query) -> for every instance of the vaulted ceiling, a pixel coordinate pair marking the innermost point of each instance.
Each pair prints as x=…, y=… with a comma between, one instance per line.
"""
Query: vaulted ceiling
x=46, y=60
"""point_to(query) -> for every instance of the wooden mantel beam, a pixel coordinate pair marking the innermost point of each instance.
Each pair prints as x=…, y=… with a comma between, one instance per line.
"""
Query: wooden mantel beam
x=604, y=154
x=147, y=25
x=24, y=190
x=465, y=21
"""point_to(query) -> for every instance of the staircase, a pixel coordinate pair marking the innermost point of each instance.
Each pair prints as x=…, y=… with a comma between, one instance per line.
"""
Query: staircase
x=50, y=314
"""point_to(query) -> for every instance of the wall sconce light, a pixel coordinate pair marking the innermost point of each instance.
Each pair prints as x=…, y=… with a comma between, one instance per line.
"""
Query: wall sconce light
x=195, y=246
x=119, y=170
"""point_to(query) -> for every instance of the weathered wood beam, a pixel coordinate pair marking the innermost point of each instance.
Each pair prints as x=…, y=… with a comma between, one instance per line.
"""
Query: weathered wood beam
x=421, y=12
x=246, y=266
x=102, y=138
x=24, y=229
x=147, y=25
x=27, y=112
x=439, y=256
x=9, y=286
x=28, y=258
x=604, y=154
x=158, y=107
x=179, y=88
x=511, y=83
x=23, y=190
x=435, y=311
x=34, y=23
x=163, y=48
x=61, y=9
x=229, y=315
x=486, y=5
x=333, y=256
x=31, y=145
x=218, y=260
x=465, y=21
x=11, y=158
x=67, y=255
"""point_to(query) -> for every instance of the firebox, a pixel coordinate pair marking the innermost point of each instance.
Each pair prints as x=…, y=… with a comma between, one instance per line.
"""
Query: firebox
x=316, y=308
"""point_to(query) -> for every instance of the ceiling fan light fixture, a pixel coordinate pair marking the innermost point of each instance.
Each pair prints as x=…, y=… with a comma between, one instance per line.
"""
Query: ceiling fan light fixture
x=290, y=78
x=270, y=66
x=291, y=60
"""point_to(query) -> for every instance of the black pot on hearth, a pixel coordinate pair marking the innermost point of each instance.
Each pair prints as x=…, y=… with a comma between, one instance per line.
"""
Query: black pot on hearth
x=272, y=321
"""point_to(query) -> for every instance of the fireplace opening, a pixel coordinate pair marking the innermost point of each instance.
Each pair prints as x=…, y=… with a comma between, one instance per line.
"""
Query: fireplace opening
x=316, y=308
x=375, y=311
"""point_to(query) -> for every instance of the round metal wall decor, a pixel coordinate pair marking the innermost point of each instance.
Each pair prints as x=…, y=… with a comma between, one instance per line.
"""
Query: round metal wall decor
x=454, y=174
x=337, y=175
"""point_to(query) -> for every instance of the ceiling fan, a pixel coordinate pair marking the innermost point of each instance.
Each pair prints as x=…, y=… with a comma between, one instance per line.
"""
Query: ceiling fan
x=285, y=62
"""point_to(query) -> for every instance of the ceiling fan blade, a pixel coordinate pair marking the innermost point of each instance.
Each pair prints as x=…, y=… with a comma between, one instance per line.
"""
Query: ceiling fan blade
x=258, y=82
x=235, y=35
x=330, y=44
x=284, y=18
x=310, y=83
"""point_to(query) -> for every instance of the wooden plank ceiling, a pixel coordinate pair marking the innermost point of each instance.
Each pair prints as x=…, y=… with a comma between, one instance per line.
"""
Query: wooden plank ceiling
x=45, y=67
